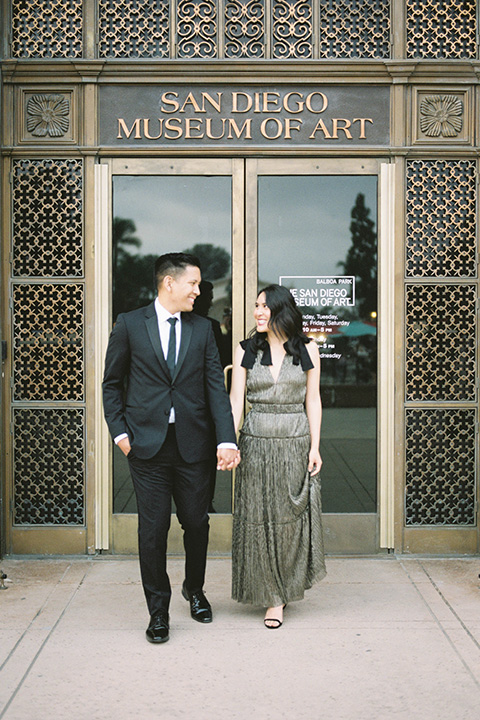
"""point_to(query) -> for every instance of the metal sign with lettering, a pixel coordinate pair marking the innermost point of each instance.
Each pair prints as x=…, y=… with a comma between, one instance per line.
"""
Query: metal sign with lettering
x=196, y=116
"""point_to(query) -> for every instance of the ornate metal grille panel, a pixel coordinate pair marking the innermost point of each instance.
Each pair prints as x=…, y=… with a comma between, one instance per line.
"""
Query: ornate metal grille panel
x=441, y=218
x=49, y=466
x=134, y=29
x=48, y=342
x=197, y=29
x=47, y=218
x=142, y=28
x=47, y=28
x=245, y=29
x=441, y=29
x=292, y=29
x=354, y=28
x=440, y=466
x=440, y=342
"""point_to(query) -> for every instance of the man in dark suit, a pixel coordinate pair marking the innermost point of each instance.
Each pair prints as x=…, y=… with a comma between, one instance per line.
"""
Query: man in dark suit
x=166, y=405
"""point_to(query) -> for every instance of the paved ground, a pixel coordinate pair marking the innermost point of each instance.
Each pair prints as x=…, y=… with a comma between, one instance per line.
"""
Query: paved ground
x=379, y=638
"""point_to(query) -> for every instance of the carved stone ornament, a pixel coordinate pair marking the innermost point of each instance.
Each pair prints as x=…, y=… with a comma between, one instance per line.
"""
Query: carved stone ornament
x=48, y=115
x=441, y=115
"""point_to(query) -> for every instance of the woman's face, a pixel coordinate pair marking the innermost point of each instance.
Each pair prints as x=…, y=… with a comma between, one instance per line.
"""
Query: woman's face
x=262, y=313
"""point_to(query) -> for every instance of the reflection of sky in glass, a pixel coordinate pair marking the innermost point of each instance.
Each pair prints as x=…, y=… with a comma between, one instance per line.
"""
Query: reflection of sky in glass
x=304, y=221
x=174, y=213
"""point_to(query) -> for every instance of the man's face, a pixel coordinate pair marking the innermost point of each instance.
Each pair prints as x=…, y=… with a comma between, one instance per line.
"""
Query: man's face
x=184, y=289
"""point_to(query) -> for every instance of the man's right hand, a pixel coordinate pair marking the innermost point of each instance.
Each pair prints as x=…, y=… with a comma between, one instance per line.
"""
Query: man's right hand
x=124, y=445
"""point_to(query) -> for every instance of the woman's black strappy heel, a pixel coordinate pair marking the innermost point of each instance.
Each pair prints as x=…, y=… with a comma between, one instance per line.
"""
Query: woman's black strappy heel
x=278, y=622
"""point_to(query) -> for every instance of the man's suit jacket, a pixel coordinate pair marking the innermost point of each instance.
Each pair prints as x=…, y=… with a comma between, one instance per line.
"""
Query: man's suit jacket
x=138, y=391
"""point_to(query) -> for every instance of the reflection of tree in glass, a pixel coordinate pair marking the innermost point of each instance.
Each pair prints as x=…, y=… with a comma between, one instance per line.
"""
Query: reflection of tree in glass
x=214, y=260
x=215, y=264
x=124, y=231
x=361, y=260
x=133, y=282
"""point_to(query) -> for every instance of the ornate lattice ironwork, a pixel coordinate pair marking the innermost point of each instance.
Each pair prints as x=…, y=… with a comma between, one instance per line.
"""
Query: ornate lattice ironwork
x=441, y=218
x=47, y=28
x=440, y=466
x=354, y=28
x=441, y=29
x=197, y=29
x=139, y=29
x=49, y=466
x=440, y=342
x=292, y=30
x=47, y=218
x=48, y=357
x=245, y=29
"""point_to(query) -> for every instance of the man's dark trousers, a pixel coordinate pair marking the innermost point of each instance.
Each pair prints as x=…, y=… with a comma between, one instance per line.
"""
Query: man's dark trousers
x=138, y=394
x=156, y=481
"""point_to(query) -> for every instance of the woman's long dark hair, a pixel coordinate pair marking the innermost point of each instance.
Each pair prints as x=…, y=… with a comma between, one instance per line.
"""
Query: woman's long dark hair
x=285, y=320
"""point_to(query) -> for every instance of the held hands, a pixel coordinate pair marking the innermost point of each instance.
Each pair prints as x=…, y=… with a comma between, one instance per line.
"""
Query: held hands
x=227, y=459
x=314, y=462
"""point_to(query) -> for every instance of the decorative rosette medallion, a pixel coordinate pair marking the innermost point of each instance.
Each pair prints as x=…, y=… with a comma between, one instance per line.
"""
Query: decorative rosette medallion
x=441, y=115
x=48, y=115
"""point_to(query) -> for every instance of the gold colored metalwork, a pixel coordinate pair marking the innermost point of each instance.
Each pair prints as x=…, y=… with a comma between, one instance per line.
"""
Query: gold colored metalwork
x=245, y=29
x=47, y=28
x=48, y=342
x=281, y=29
x=440, y=342
x=292, y=29
x=441, y=218
x=439, y=29
x=197, y=29
x=354, y=29
x=139, y=29
x=48, y=335
x=440, y=466
x=347, y=28
x=47, y=218
x=49, y=466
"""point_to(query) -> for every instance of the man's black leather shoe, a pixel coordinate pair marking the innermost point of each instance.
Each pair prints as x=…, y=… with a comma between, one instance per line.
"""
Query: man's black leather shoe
x=200, y=608
x=157, y=631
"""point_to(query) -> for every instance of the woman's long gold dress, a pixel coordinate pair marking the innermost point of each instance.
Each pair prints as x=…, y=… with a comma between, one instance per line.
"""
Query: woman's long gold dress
x=277, y=547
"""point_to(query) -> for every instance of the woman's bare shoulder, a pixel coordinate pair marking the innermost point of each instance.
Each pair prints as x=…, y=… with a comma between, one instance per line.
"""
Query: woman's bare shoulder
x=312, y=348
x=239, y=353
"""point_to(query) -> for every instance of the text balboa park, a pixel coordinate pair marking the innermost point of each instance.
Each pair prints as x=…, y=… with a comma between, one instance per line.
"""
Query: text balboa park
x=244, y=116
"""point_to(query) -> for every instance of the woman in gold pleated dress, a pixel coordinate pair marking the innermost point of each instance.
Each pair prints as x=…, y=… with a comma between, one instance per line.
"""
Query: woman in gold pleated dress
x=277, y=547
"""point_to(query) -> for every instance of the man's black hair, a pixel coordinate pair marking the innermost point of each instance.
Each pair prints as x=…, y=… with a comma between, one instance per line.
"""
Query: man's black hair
x=173, y=264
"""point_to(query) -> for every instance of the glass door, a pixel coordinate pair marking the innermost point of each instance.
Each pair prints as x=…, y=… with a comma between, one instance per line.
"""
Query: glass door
x=314, y=226
x=310, y=225
x=154, y=214
x=177, y=205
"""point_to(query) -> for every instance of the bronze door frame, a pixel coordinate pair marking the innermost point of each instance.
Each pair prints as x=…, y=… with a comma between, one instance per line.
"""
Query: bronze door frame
x=349, y=533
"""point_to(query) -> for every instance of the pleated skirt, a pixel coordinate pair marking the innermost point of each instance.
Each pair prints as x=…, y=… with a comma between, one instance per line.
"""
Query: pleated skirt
x=277, y=545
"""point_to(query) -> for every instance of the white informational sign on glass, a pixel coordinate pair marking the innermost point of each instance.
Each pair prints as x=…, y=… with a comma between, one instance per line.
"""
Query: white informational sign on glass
x=326, y=302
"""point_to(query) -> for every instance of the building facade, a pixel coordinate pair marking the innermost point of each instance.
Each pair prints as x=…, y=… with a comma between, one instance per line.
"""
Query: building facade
x=328, y=145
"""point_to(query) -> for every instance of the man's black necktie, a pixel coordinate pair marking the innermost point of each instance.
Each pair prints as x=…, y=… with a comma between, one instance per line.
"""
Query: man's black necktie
x=172, y=346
